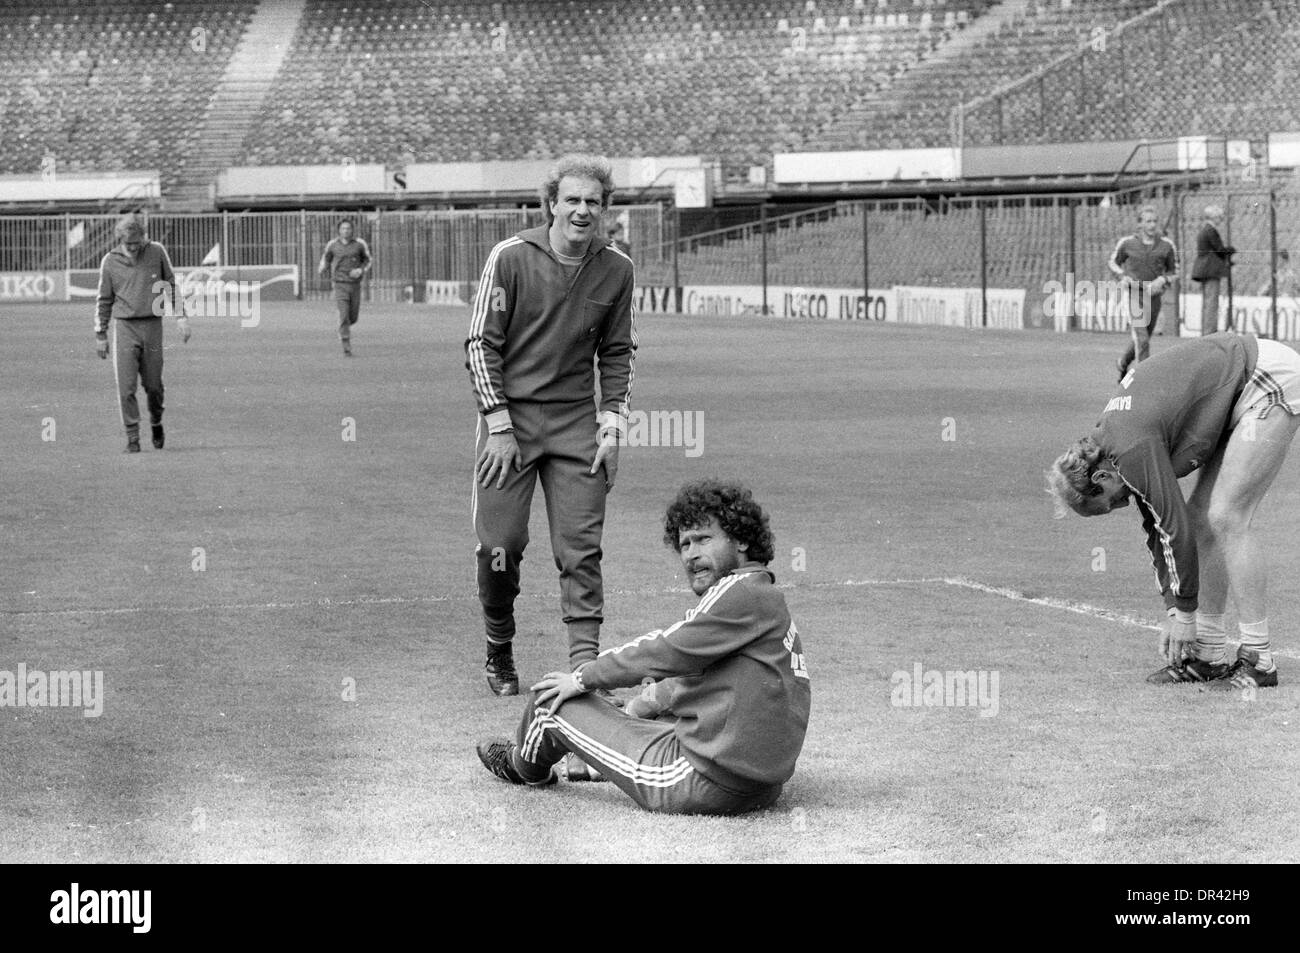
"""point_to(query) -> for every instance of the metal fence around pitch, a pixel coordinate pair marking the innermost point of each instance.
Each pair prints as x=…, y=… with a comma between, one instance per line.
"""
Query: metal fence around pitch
x=1263, y=225
x=1042, y=245
x=1033, y=243
x=409, y=248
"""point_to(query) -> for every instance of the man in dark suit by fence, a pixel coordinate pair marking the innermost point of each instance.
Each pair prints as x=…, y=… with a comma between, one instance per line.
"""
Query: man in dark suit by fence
x=1213, y=264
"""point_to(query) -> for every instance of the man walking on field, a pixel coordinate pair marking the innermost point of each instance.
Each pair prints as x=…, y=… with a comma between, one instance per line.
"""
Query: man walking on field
x=552, y=301
x=136, y=281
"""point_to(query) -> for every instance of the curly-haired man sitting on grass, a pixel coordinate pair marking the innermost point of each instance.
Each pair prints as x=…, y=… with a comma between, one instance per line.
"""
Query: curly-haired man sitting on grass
x=720, y=728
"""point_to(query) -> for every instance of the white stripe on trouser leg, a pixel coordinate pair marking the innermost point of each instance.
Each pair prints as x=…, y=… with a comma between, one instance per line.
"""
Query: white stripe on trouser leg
x=655, y=776
x=533, y=737
x=117, y=380
x=473, y=493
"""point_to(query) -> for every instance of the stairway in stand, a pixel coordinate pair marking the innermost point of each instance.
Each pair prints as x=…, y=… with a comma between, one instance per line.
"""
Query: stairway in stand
x=945, y=62
x=235, y=105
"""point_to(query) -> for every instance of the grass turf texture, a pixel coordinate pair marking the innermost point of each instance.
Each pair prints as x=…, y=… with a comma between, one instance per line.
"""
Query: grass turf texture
x=225, y=733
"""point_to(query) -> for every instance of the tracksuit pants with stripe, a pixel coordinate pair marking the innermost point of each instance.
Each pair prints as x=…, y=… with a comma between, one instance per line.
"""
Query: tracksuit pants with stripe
x=557, y=444
x=347, y=297
x=138, y=352
x=642, y=757
x=1144, y=324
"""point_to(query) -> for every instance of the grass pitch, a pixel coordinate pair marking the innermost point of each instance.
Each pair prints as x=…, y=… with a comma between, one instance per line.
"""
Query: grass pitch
x=289, y=635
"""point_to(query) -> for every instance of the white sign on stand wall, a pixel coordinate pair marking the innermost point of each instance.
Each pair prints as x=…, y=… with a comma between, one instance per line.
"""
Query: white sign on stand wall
x=960, y=307
x=1250, y=313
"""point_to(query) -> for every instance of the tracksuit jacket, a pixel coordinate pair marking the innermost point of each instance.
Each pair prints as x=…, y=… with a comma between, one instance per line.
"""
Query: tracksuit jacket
x=1146, y=262
x=130, y=289
x=1166, y=421
x=534, y=332
x=341, y=259
x=741, y=692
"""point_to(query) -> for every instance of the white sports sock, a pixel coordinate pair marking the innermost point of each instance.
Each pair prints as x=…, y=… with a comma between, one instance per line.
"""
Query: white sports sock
x=1211, y=640
x=1254, y=636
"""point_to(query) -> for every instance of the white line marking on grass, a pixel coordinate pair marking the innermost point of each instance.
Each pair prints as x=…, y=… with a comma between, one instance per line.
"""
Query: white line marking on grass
x=961, y=582
x=1067, y=605
x=1082, y=608
x=236, y=606
x=418, y=600
x=924, y=581
x=309, y=603
x=1048, y=602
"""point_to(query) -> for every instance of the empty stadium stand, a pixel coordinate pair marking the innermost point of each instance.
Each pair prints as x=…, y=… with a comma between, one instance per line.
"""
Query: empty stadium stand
x=1191, y=67
x=190, y=86
x=403, y=81
x=1021, y=36
x=100, y=86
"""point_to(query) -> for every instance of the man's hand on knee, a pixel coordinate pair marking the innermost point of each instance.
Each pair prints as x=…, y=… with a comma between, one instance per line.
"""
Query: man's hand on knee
x=557, y=688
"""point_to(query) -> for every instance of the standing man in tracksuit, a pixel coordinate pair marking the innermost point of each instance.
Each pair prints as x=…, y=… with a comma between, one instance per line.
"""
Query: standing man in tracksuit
x=551, y=299
x=1146, y=264
x=346, y=261
x=729, y=705
x=135, y=282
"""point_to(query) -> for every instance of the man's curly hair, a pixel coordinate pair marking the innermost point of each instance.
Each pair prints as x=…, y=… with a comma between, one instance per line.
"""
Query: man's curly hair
x=739, y=516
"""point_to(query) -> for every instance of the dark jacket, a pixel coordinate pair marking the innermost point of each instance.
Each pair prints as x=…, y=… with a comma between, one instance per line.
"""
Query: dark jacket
x=1166, y=421
x=1143, y=262
x=1213, y=258
x=134, y=288
x=741, y=692
x=534, y=331
x=341, y=259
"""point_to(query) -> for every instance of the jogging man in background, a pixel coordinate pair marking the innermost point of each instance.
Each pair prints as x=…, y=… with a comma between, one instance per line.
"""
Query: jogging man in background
x=136, y=282
x=552, y=300
x=1146, y=265
x=346, y=261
